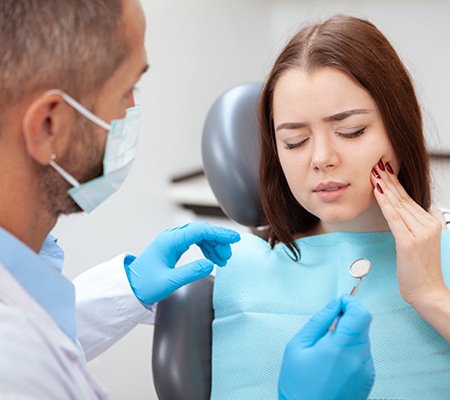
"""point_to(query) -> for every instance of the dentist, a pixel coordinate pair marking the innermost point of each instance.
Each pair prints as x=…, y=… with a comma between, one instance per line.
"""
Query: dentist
x=68, y=134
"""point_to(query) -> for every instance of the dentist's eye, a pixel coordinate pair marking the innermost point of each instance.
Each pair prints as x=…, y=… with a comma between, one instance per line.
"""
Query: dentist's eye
x=352, y=135
x=290, y=146
x=133, y=91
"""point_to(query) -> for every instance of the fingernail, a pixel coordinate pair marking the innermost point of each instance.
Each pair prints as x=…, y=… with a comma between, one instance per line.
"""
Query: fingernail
x=389, y=168
x=379, y=188
x=381, y=165
x=375, y=173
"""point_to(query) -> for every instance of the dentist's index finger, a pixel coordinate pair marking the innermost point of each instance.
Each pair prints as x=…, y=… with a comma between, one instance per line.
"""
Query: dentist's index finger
x=355, y=320
x=197, y=232
x=318, y=324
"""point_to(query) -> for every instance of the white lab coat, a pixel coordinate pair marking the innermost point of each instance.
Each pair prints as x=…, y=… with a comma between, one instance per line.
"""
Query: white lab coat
x=107, y=309
x=38, y=360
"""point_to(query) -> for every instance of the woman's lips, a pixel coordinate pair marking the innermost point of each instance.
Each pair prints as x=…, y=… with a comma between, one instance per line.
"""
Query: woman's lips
x=330, y=191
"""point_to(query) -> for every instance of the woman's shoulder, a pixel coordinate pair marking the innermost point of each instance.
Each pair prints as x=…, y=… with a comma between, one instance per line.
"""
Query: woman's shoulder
x=252, y=239
x=254, y=250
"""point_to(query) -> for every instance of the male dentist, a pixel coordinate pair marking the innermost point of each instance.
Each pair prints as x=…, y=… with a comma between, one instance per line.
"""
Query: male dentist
x=68, y=135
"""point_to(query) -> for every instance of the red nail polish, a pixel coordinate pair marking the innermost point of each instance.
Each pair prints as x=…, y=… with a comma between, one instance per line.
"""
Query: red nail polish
x=381, y=165
x=379, y=188
x=389, y=168
x=375, y=173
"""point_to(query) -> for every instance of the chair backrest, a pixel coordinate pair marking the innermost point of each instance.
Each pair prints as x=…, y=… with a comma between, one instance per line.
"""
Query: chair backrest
x=181, y=356
x=230, y=151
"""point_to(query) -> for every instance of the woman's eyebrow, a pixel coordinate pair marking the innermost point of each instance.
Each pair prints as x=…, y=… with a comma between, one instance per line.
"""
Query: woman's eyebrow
x=336, y=117
x=345, y=114
x=291, y=125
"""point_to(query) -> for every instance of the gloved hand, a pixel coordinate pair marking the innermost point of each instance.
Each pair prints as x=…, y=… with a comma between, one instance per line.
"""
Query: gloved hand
x=153, y=275
x=323, y=365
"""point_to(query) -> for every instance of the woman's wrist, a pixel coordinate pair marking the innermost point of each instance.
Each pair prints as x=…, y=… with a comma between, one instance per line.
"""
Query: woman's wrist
x=435, y=309
x=429, y=299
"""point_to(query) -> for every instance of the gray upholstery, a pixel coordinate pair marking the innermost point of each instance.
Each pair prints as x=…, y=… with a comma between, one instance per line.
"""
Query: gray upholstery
x=230, y=151
x=181, y=357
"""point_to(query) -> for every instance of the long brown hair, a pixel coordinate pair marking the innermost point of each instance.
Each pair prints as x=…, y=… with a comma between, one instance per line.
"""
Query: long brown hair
x=356, y=47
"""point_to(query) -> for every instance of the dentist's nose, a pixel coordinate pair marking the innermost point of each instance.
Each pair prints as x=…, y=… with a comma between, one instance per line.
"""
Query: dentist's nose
x=324, y=155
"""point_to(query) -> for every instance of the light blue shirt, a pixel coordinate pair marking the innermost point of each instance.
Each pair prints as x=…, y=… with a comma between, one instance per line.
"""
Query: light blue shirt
x=40, y=276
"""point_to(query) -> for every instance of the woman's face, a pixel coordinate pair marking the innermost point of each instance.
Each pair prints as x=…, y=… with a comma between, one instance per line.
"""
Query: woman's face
x=329, y=136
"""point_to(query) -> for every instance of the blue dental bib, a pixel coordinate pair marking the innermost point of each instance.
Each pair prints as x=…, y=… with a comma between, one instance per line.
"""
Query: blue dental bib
x=263, y=297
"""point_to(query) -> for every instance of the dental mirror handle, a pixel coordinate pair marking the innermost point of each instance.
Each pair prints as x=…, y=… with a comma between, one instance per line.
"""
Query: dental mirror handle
x=356, y=287
x=332, y=327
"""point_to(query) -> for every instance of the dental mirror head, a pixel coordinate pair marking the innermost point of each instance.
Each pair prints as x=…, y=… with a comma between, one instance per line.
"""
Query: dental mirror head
x=360, y=268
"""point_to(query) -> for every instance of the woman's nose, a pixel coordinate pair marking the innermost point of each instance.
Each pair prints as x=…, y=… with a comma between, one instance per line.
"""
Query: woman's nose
x=324, y=155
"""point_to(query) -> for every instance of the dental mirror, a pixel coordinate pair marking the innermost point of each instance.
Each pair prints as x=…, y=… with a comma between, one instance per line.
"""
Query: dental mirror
x=359, y=269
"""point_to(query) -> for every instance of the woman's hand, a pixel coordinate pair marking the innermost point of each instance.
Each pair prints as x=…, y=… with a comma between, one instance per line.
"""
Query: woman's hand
x=417, y=236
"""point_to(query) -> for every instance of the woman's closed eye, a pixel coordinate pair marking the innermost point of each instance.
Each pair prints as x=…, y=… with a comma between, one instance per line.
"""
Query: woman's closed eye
x=290, y=146
x=346, y=135
x=352, y=135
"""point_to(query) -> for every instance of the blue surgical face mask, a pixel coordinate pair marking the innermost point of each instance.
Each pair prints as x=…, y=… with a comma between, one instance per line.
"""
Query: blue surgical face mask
x=120, y=152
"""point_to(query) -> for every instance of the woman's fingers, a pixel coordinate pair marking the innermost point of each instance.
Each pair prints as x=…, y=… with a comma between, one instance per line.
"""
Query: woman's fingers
x=417, y=236
x=399, y=209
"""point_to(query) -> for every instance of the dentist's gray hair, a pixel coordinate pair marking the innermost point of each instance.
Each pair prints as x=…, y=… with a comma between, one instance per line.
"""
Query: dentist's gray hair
x=73, y=45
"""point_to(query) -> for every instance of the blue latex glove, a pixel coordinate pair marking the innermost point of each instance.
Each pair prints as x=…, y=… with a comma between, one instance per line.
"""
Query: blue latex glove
x=153, y=275
x=323, y=365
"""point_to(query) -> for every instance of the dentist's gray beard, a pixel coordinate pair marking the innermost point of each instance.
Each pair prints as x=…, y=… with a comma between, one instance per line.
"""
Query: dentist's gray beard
x=83, y=159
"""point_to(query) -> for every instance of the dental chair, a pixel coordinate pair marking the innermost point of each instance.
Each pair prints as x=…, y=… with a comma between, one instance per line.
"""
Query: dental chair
x=181, y=355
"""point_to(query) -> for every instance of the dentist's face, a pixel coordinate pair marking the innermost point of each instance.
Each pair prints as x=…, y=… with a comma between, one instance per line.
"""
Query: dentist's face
x=84, y=158
x=329, y=136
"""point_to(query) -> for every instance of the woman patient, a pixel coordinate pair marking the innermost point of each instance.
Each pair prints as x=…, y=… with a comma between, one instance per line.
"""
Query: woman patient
x=344, y=174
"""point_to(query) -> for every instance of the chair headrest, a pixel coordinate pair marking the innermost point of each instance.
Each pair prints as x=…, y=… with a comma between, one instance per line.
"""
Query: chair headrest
x=230, y=151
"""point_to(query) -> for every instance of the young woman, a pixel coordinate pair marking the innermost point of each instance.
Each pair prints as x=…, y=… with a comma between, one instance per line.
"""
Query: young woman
x=344, y=174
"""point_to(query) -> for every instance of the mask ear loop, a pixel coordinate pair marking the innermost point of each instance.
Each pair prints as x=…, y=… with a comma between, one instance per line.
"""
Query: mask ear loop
x=80, y=108
x=69, y=178
x=87, y=114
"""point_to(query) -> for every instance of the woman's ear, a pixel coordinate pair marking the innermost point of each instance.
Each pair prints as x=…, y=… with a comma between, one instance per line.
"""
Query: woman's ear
x=46, y=127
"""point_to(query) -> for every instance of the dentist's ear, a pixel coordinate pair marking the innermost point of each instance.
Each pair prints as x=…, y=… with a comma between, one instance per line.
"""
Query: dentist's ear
x=46, y=127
